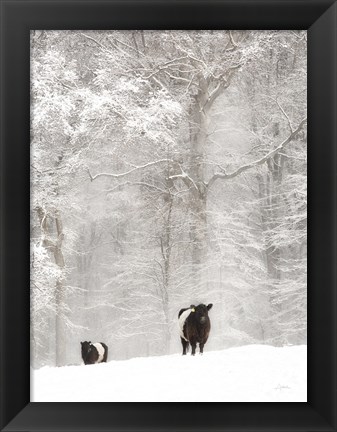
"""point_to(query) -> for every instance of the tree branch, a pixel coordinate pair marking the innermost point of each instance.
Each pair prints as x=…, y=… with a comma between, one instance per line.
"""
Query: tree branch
x=136, y=168
x=223, y=83
x=185, y=178
x=96, y=42
x=261, y=161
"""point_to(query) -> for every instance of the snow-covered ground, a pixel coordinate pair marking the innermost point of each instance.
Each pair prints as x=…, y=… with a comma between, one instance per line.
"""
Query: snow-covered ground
x=254, y=373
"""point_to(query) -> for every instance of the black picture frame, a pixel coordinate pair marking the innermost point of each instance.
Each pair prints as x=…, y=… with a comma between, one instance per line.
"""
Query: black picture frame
x=17, y=18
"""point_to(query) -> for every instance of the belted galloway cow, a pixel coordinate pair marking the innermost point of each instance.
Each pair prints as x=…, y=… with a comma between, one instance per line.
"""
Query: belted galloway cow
x=94, y=353
x=195, y=326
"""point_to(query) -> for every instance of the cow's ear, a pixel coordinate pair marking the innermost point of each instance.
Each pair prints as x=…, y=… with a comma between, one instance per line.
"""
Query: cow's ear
x=209, y=306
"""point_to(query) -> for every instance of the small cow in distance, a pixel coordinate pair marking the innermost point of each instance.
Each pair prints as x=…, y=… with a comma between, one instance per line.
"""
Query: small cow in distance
x=94, y=353
x=195, y=326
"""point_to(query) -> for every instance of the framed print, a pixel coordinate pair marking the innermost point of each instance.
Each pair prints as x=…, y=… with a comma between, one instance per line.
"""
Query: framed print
x=155, y=158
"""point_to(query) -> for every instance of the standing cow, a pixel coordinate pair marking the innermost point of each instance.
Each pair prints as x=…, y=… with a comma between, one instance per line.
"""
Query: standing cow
x=195, y=326
x=94, y=353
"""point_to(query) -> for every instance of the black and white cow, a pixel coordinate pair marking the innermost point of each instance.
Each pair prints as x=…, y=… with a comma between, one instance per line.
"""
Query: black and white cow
x=94, y=353
x=195, y=326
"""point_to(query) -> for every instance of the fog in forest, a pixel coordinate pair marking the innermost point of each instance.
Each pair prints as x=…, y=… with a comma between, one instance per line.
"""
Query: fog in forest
x=168, y=168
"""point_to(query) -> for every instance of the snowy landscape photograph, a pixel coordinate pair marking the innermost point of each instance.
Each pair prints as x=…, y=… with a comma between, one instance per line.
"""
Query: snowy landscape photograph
x=168, y=216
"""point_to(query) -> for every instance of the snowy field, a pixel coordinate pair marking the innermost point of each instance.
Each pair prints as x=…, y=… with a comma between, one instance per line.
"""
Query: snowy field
x=254, y=373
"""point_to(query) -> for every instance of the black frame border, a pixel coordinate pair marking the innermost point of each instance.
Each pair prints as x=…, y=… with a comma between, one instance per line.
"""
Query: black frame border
x=17, y=18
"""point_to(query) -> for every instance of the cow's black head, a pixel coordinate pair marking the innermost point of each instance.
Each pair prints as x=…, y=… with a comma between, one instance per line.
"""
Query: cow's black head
x=85, y=347
x=201, y=313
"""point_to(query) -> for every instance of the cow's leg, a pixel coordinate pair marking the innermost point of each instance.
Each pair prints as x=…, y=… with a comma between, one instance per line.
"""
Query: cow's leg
x=185, y=345
x=201, y=346
x=193, y=345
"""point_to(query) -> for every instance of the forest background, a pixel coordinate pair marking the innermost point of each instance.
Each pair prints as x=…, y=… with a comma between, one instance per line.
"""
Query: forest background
x=168, y=168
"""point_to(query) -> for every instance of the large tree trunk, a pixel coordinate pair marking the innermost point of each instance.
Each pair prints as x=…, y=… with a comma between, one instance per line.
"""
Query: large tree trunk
x=209, y=90
x=198, y=192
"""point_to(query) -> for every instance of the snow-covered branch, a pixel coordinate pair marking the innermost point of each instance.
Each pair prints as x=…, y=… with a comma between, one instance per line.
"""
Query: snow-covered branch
x=184, y=177
x=126, y=173
x=243, y=168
